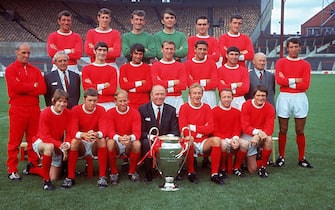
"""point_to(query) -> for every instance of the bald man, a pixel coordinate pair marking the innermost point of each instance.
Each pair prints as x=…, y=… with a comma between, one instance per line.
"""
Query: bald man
x=259, y=76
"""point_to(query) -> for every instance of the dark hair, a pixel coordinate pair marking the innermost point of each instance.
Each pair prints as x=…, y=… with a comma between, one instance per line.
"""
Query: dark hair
x=138, y=12
x=90, y=92
x=58, y=94
x=226, y=89
x=200, y=42
x=294, y=41
x=260, y=88
x=104, y=11
x=64, y=13
x=137, y=47
x=100, y=44
x=236, y=16
x=201, y=18
x=233, y=49
x=170, y=12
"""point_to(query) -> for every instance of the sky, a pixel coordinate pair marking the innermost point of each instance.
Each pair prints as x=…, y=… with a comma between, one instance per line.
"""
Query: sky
x=296, y=12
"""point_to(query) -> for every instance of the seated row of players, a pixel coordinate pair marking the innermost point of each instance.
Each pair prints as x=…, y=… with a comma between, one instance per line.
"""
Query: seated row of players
x=91, y=131
x=71, y=43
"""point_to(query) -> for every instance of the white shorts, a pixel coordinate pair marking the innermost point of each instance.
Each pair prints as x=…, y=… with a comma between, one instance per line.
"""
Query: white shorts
x=252, y=150
x=56, y=159
x=238, y=102
x=88, y=149
x=292, y=104
x=122, y=148
x=107, y=105
x=228, y=144
x=175, y=101
x=199, y=148
x=209, y=97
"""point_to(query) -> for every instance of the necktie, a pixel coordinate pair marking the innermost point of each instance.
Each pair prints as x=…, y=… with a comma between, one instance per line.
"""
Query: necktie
x=260, y=75
x=66, y=82
x=158, y=115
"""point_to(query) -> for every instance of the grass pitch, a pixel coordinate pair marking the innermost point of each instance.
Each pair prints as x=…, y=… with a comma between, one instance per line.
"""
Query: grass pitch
x=290, y=187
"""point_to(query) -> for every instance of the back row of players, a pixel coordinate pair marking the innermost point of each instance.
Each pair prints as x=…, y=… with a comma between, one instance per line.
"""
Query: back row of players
x=137, y=78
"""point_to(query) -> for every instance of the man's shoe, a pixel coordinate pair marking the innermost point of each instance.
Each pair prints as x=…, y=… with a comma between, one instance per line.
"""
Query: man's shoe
x=67, y=183
x=102, y=182
x=192, y=177
x=238, y=172
x=26, y=171
x=47, y=185
x=280, y=162
x=114, y=178
x=305, y=164
x=14, y=176
x=223, y=174
x=262, y=172
x=134, y=177
x=218, y=180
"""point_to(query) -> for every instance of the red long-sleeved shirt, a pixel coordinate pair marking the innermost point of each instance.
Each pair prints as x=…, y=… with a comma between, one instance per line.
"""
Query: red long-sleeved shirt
x=227, y=122
x=213, y=52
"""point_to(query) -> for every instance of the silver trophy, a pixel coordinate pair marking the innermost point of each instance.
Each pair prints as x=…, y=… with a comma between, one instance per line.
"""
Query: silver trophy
x=168, y=153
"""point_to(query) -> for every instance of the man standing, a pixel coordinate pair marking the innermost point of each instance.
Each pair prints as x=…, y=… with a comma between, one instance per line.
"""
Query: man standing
x=160, y=115
x=62, y=79
x=100, y=76
x=257, y=120
x=235, y=77
x=65, y=40
x=124, y=132
x=170, y=74
x=200, y=69
x=87, y=137
x=104, y=33
x=237, y=39
x=202, y=24
x=135, y=77
x=293, y=75
x=25, y=84
x=137, y=35
x=198, y=118
x=260, y=76
x=169, y=20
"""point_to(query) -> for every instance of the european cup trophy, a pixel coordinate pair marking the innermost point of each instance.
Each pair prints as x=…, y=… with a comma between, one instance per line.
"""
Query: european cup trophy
x=168, y=154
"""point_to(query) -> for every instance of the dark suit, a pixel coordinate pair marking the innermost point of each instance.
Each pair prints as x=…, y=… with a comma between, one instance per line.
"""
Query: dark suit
x=268, y=80
x=53, y=82
x=168, y=125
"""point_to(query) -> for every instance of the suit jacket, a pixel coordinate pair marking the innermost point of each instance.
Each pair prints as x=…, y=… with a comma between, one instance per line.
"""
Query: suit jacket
x=268, y=81
x=169, y=121
x=53, y=82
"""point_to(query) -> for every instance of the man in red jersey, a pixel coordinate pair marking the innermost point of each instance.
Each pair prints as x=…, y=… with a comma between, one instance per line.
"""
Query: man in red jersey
x=104, y=33
x=293, y=75
x=235, y=77
x=198, y=118
x=124, y=132
x=87, y=137
x=227, y=126
x=202, y=70
x=135, y=77
x=49, y=142
x=100, y=76
x=171, y=75
x=202, y=24
x=25, y=84
x=65, y=40
x=234, y=38
x=257, y=120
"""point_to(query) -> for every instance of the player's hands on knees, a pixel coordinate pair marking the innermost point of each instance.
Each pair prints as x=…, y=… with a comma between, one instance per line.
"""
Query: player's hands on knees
x=124, y=140
x=255, y=139
x=65, y=155
x=235, y=144
x=262, y=135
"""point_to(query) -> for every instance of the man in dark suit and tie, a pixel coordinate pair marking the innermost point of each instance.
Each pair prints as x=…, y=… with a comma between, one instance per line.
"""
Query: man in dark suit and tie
x=63, y=79
x=259, y=76
x=156, y=114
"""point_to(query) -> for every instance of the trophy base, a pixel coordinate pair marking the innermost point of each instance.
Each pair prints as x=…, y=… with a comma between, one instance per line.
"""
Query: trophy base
x=169, y=184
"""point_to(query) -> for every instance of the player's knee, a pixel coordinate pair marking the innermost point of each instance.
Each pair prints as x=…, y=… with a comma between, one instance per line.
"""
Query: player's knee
x=48, y=149
x=216, y=141
x=244, y=145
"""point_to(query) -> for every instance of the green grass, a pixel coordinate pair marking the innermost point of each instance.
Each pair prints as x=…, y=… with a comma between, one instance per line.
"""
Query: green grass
x=289, y=187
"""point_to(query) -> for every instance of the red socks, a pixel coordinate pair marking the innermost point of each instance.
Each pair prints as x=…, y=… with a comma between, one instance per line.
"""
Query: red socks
x=46, y=165
x=133, y=161
x=240, y=155
x=190, y=160
x=72, y=162
x=301, y=142
x=112, y=161
x=282, y=143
